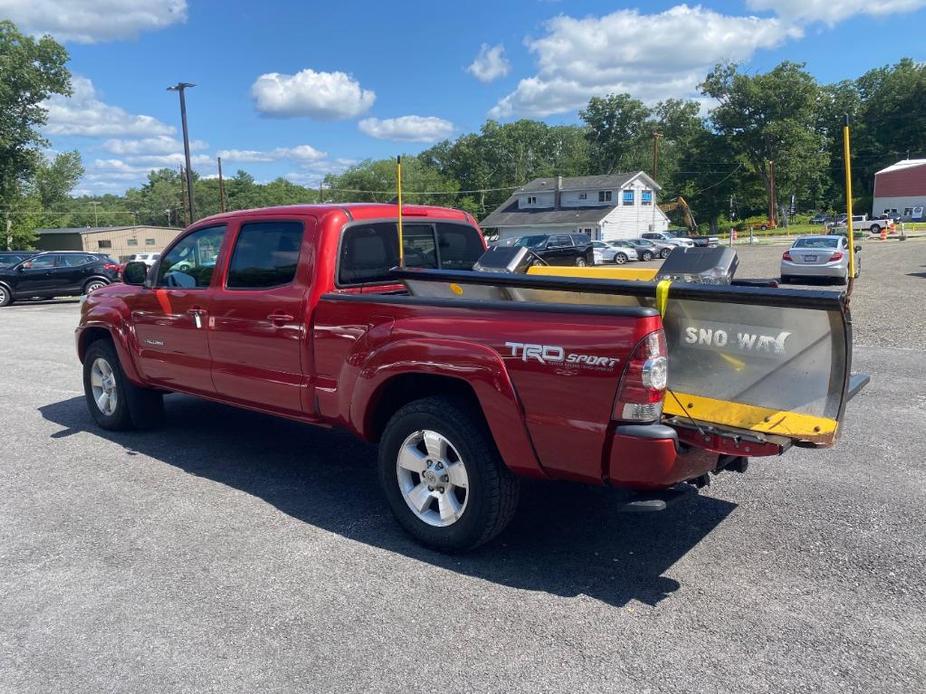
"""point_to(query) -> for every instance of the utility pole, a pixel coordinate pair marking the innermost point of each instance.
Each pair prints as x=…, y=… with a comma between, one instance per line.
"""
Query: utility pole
x=95, y=204
x=167, y=212
x=221, y=186
x=183, y=198
x=181, y=87
x=656, y=136
x=772, y=196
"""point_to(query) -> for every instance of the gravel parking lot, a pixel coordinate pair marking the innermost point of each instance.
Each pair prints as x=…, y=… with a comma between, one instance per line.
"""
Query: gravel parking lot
x=235, y=552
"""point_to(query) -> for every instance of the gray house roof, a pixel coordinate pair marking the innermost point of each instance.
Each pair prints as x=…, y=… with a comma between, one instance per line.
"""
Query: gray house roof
x=96, y=230
x=508, y=214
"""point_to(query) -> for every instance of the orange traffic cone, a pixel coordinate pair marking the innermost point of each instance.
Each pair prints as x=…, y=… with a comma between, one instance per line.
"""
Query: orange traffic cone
x=884, y=234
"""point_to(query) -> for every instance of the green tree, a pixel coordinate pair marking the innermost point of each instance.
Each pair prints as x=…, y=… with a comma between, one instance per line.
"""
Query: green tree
x=772, y=117
x=31, y=70
x=618, y=133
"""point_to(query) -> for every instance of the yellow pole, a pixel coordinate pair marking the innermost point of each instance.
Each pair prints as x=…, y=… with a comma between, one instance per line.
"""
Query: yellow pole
x=851, y=236
x=398, y=180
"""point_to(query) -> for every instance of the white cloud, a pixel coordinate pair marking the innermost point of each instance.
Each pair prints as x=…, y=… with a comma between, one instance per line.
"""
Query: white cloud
x=833, y=11
x=490, y=63
x=407, y=128
x=89, y=21
x=300, y=153
x=652, y=56
x=318, y=95
x=174, y=160
x=83, y=113
x=162, y=144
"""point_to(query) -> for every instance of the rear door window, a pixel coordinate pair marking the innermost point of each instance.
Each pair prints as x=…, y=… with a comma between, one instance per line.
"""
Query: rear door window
x=370, y=251
x=266, y=255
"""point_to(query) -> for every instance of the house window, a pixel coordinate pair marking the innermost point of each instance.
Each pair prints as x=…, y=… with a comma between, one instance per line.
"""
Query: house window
x=646, y=197
x=105, y=243
x=583, y=196
x=531, y=199
x=628, y=197
x=150, y=242
x=131, y=242
x=604, y=196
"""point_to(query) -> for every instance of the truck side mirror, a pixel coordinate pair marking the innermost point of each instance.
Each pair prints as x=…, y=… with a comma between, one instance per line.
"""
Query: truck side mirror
x=135, y=273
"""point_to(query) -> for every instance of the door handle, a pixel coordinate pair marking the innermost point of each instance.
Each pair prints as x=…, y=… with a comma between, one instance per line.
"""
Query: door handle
x=197, y=314
x=280, y=318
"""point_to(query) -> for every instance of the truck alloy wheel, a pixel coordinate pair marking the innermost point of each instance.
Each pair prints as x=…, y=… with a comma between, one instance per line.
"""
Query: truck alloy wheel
x=432, y=478
x=442, y=475
x=115, y=403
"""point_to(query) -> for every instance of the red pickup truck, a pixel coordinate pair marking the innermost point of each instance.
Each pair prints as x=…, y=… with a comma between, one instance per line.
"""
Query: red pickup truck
x=295, y=311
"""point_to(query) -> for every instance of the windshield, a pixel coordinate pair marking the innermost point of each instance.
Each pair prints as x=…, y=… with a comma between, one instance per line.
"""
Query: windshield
x=530, y=241
x=822, y=242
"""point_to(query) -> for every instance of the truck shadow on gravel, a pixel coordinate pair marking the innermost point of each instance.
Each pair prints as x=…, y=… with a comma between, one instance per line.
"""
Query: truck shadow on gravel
x=566, y=539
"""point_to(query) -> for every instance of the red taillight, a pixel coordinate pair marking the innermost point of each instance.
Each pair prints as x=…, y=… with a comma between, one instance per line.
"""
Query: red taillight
x=837, y=255
x=643, y=385
x=110, y=266
x=786, y=256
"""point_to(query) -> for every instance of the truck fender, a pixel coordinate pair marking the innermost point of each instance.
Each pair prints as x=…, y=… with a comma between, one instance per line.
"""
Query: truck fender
x=112, y=322
x=475, y=365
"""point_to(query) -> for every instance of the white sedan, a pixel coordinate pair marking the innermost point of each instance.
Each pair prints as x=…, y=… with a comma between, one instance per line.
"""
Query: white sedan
x=613, y=252
x=825, y=257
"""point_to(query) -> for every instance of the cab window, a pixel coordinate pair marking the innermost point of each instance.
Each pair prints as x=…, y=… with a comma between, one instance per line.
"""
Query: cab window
x=265, y=255
x=42, y=262
x=190, y=264
x=370, y=251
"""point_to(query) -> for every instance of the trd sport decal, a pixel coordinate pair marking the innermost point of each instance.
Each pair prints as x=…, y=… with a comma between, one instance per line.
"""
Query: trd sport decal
x=557, y=356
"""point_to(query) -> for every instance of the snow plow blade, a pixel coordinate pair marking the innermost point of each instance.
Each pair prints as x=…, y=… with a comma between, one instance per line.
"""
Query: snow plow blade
x=768, y=362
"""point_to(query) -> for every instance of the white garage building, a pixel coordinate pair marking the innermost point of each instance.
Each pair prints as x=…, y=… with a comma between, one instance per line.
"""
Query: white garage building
x=900, y=191
x=615, y=206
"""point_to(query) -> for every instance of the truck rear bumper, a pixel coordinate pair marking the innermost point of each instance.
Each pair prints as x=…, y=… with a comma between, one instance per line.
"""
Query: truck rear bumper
x=648, y=456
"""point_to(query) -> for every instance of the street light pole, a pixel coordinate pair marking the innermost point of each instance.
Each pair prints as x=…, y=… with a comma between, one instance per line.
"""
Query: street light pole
x=181, y=88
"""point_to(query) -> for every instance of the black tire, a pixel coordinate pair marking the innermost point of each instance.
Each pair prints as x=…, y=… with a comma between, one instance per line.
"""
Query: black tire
x=620, y=258
x=665, y=253
x=93, y=284
x=647, y=255
x=492, y=489
x=580, y=261
x=875, y=229
x=136, y=407
x=6, y=296
x=763, y=227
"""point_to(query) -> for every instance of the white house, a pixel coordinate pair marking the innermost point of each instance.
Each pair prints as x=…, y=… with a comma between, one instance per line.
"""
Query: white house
x=615, y=206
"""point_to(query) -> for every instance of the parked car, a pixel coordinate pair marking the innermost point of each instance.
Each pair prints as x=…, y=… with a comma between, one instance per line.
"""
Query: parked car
x=8, y=258
x=821, y=218
x=668, y=237
x=57, y=273
x=560, y=249
x=647, y=250
x=625, y=251
x=824, y=257
x=462, y=393
x=148, y=259
x=696, y=239
x=612, y=253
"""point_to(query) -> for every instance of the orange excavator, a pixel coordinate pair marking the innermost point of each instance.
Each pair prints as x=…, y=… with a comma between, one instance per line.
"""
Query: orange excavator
x=681, y=204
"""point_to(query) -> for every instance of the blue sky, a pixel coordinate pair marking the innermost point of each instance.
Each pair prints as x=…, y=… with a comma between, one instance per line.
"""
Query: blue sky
x=300, y=89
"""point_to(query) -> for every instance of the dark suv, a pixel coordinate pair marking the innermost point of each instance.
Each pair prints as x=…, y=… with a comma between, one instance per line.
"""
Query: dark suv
x=57, y=273
x=560, y=249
